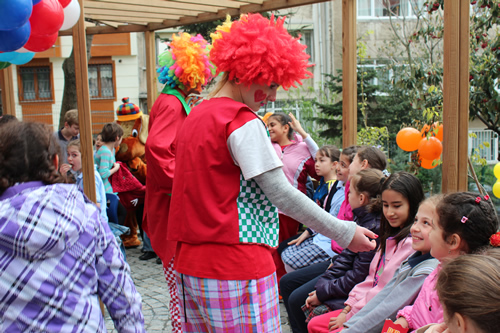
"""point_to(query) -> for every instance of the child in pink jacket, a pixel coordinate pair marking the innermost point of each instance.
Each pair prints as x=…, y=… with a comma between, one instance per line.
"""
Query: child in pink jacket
x=465, y=223
x=401, y=197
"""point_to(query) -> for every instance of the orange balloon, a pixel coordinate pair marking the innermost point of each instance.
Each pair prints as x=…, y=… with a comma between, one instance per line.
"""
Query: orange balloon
x=439, y=134
x=425, y=129
x=408, y=139
x=427, y=164
x=430, y=148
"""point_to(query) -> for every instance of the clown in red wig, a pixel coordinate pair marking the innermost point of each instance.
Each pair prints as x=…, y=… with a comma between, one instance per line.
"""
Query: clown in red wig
x=229, y=185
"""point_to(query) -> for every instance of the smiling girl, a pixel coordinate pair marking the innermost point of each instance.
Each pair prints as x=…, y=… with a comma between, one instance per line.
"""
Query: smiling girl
x=403, y=288
x=401, y=196
x=464, y=224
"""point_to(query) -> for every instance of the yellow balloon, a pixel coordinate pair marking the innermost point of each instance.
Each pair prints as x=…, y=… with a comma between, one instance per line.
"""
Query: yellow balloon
x=496, y=170
x=496, y=189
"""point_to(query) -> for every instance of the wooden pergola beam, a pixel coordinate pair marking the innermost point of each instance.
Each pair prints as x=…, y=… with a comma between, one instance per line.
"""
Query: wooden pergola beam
x=163, y=4
x=455, y=95
x=349, y=77
x=150, y=41
x=83, y=102
x=90, y=12
x=218, y=3
x=137, y=21
x=218, y=10
x=135, y=8
x=8, y=97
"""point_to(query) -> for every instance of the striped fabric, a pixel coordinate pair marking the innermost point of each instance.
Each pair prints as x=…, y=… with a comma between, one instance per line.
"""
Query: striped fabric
x=56, y=258
x=224, y=306
x=304, y=254
x=105, y=160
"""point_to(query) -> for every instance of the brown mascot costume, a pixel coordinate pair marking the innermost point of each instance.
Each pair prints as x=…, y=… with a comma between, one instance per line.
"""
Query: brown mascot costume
x=131, y=152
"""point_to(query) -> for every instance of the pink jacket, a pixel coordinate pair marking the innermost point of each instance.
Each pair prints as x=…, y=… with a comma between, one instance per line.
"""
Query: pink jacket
x=298, y=161
x=363, y=292
x=426, y=309
x=345, y=211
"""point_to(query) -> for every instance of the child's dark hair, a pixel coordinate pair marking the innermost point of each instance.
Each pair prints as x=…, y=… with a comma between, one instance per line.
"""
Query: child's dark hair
x=478, y=215
x=470, y=285
x=350, y=152
x=330, y=151
x=370, y=181
x=7, y=118
x=111, y=131
x=410, y=188
x=375, y=157
x=284, y=119
x=27, y=153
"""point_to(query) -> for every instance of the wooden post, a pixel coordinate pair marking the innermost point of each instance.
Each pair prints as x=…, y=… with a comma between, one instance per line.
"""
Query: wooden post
x=83, y=101
x=349, y=77
x=150, y=41
x=84, y=115
x=455, y=95
x=7, y=86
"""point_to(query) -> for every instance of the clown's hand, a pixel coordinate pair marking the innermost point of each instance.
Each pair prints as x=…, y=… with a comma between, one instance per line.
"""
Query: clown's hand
x=361, y=241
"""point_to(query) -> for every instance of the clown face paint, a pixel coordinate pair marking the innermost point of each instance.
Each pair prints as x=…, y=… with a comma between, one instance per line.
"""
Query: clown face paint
x=259, y=96
x=255, y=96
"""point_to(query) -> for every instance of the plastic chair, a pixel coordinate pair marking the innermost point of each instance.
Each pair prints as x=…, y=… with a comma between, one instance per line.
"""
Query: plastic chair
x=112, y=207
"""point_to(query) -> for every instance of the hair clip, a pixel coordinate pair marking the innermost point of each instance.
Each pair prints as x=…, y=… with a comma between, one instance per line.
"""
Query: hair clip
x=464, y=219
x=478, y=200
x=486, y=197
x=495, y=239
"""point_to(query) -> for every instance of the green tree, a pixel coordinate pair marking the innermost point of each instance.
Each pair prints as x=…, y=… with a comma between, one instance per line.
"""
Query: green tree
x=416, y=53
x=331, y=112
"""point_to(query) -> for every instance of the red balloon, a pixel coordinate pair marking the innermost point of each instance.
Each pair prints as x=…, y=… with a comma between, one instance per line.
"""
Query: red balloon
x=47, y=18
x=40, y=43
x=64, y=3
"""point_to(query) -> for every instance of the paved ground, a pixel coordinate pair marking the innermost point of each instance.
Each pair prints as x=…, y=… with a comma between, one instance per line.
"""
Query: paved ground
x=149, y=281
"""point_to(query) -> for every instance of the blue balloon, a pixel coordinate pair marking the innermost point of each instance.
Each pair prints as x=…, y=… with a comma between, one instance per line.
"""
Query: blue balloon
x=11, y=40
x=8, y=56
x=36, y=1
x=22, y=58
x=14, y=13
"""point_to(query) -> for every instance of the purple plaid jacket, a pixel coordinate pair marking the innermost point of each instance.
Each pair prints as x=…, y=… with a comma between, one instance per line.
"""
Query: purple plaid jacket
x=56, y=258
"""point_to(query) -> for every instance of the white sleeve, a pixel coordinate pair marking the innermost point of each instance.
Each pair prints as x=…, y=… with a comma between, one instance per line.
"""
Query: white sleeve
x=312, y=146
x=298, y=206
x=252, y=150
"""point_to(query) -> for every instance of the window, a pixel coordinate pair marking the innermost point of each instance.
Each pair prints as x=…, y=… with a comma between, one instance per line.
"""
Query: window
x=477, y=140
x=35, y=84
x=101, y=83
x=307, y=39
x=378, y=73
x=386, y=8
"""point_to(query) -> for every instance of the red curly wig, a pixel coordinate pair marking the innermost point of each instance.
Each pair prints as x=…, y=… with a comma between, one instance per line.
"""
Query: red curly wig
x=260, y=50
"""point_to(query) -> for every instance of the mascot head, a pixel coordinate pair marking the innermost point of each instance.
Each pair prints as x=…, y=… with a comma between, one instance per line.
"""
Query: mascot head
x=135, y=131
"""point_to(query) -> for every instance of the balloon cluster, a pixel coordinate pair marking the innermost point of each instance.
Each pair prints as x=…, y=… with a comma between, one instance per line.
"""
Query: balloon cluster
x=29, y=26
x=496, y=186
x=427, y=141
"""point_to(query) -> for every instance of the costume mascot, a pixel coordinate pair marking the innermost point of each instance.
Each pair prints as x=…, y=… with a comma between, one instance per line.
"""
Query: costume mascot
x=132, y=153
